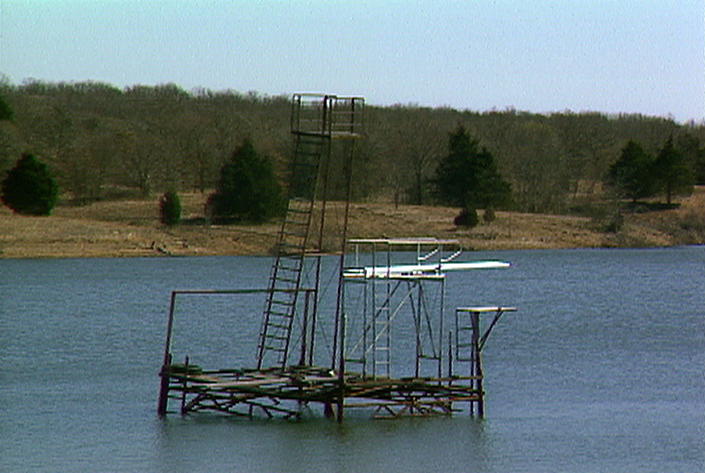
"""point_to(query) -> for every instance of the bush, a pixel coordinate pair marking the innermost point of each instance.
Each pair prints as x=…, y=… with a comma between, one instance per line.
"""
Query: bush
x=615, y=223
x=467, y=218
x=489, y=215
x=170, y=208
x=29, y=188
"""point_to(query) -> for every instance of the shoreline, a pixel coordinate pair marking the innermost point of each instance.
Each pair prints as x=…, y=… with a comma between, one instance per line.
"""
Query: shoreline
x=131, y=229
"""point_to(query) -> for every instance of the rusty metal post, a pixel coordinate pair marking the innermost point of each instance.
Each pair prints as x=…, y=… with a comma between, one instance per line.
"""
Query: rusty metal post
x=477, y=362
x=166, y=363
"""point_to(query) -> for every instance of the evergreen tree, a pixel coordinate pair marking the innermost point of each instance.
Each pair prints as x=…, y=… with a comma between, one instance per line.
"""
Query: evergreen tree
x=247, y=189
x=468, y=176
x=170, y=208
x=689, y=145
x=631, y=175
x=672, y=172
x=29, y=188
x=6, y=112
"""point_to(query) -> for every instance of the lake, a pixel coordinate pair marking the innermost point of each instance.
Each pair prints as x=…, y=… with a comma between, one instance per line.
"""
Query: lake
x=602, y=369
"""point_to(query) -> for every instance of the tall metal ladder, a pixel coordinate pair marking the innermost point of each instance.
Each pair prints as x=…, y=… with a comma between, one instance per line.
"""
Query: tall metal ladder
x=382, y=321
x=315, y=120
x=292, y=244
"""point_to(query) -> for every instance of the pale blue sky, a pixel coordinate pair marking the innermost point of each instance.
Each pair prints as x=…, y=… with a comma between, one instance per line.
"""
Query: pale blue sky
x=632, y=56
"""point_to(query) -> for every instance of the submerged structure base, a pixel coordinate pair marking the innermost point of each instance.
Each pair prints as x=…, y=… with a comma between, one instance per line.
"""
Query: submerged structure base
x=288, y=393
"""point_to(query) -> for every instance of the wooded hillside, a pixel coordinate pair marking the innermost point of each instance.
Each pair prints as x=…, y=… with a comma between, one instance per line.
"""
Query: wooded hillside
x=102, y=142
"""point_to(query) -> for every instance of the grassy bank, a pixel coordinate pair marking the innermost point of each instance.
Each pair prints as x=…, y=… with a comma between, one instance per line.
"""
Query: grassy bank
x=131, y=228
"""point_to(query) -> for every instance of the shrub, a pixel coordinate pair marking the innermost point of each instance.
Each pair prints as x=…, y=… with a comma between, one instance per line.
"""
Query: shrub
x=29, y=188
x=170, y=208
x=615, y=223
x=489, y=215
x=467, y=218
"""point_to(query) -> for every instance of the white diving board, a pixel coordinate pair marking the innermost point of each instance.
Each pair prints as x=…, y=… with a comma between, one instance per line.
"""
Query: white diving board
x=419, y=270
x=481, y=310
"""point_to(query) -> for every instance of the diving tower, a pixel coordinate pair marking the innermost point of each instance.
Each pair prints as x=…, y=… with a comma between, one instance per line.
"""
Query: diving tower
x=392, y=346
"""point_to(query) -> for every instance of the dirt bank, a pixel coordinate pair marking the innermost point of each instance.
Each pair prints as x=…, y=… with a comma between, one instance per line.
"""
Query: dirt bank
x=131, y=228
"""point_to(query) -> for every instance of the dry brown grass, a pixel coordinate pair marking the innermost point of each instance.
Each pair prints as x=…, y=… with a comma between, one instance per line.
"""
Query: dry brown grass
x=131, y=228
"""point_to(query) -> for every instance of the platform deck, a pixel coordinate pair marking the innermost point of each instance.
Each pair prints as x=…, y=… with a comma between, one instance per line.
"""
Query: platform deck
x=288, y=393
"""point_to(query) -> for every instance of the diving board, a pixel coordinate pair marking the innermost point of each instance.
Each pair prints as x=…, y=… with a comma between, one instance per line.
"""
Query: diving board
x=419, y=270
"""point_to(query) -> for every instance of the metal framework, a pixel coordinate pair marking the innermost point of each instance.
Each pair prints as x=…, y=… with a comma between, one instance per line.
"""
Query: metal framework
x=380, y=297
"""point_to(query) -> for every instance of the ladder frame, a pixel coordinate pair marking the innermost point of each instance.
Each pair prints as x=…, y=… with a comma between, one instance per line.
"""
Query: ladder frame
x=316, y=120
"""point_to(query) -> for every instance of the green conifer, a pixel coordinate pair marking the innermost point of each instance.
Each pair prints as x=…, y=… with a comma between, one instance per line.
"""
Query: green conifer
x=29, y=188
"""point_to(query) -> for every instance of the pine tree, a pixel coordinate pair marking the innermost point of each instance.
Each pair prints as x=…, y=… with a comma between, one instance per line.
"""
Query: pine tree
x=632, y=175
x=29, y=188
x=247, y=189
x=468, y=175
x=672, y=172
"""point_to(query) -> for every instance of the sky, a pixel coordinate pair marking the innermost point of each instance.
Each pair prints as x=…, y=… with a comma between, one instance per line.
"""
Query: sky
x=541, y=56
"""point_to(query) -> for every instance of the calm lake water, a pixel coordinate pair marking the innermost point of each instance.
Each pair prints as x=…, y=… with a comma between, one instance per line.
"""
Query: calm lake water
x=602, y=369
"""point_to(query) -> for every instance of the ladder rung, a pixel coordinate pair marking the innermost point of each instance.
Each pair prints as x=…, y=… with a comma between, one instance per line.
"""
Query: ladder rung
x=314, y=140
x=299, y=211
x=317, y=145
x=293, y=234
x=286, y=280
x=289, y=268
x=300, y=249
x=291, y=254
x=279, y=349
x=296, y=223
x=280, y=314
x=281, y=303
x=275, y=337
x=282, y=274
x=285, y=271
x=284, y=244
x=290, y=257
x=309, y=151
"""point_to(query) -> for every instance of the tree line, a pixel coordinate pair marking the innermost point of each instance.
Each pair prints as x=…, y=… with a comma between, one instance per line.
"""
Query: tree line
x=103, y=142
x=638, y=174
